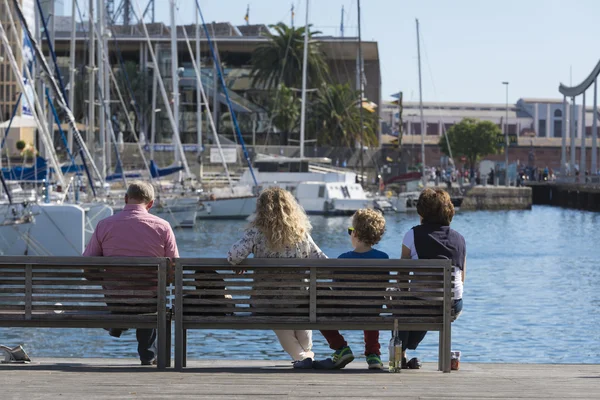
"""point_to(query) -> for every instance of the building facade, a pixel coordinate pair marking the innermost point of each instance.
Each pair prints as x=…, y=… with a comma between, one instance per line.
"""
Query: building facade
x=528, y=117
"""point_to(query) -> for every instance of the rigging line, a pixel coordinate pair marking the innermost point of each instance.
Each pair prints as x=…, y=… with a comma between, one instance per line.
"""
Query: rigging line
x=57, y=92
x=226, y=91
x=124, y=71
x=163, y=92
x=37, y=108
x=62, y=134
x=51, y=49
x=122, y=101
x=285, y=56
x=212, y=124
x=436, y=97
x=112, y=131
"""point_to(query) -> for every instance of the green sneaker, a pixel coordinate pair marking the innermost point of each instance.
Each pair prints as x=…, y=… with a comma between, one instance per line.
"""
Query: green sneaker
x=374, y=361
x=342, y=357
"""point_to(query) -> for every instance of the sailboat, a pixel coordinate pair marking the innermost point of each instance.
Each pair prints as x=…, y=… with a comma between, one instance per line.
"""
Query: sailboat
x=29, y=226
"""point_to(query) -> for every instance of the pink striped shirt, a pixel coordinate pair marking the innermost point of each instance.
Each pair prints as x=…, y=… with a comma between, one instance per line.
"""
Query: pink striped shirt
x=133, y=232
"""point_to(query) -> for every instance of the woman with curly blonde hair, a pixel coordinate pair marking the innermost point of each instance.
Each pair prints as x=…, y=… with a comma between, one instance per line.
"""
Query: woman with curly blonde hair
x=281, y=229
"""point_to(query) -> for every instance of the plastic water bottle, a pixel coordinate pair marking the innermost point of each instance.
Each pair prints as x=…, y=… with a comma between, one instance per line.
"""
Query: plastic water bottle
x=395, y=351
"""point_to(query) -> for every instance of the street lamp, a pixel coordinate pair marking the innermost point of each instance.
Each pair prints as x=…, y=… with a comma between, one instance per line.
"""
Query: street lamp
x=506, y=138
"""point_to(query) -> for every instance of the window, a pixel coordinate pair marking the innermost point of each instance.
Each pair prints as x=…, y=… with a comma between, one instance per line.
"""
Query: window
x=557, y=114
x=321, y=191
x=416, y=128
x=541, y=128
x=431, y=129
x=557, y=128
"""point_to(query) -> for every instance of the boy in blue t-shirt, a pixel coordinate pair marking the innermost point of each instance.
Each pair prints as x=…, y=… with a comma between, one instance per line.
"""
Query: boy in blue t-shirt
x=367, y=229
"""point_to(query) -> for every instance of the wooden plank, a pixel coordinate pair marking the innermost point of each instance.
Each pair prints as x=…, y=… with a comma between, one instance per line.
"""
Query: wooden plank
x=245, y=292
x=247, y=284
x=122, y=292
x=286, y=301
x=79, y=308
x=85, y=282
x=263, y=310
x=82, y=299
x=78, y=261
x=222, y=263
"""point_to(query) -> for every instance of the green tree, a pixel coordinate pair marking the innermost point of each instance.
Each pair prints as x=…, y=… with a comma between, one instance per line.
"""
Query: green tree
x=336, y=117
x=471, y=139
x=280, y=59
x=285, y=112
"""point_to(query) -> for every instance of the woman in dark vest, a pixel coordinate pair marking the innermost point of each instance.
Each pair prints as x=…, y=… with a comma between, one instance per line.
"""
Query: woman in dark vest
x=434, y=239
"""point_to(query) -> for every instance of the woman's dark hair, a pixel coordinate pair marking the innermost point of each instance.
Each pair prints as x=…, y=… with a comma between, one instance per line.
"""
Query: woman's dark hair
x=435, y=206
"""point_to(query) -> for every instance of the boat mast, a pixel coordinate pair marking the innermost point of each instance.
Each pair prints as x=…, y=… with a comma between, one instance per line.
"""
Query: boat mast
x=199, y=96
x=304, y=73
x=175, y=77
x=360, y=100
x=91, y=79
x=101, y=93
x=72, y=69
x=421, y=108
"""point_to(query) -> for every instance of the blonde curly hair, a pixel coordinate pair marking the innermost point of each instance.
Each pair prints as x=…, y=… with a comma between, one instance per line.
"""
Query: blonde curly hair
x=280, y=218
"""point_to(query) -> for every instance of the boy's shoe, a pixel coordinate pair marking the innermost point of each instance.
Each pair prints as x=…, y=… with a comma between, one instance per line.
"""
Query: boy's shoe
x=307, y=363
x=342, y=357
x=374, y=361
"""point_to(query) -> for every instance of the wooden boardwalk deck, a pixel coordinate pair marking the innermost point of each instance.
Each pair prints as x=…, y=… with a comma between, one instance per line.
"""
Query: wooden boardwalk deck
x=73, y=378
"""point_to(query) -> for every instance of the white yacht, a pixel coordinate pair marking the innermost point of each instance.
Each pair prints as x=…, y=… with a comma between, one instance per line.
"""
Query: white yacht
x=235, y=202
x=319, y=189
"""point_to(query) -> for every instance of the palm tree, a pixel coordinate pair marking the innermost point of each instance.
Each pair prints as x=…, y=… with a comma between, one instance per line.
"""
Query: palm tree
x=336, y=117
x=285, y=112
x=280, y=59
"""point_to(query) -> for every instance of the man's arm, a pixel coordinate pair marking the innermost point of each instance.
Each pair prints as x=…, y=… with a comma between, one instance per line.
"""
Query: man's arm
x=94, y=247
x=171, y=249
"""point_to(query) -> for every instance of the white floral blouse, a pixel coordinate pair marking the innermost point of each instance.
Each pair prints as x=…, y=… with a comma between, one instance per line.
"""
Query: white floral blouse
x=254, y=242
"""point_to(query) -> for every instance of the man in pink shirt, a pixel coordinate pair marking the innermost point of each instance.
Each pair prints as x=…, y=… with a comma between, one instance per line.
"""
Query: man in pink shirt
x=134, y=232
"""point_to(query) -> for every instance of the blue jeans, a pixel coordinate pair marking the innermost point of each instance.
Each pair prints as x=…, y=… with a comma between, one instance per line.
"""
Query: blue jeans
x=411, y=339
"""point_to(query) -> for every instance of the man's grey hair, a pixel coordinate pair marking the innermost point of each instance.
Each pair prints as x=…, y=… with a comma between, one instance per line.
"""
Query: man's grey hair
x=140, y=191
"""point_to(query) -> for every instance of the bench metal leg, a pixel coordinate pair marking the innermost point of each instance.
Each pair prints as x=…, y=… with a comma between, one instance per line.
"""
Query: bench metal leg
x=162, y=340
x=447, y=347
x=168, y=348
x=441, y=352
x=184, y=348
x=179, y=345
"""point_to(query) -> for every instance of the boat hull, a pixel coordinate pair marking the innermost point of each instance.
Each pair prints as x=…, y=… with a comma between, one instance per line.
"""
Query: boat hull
x=227, y=208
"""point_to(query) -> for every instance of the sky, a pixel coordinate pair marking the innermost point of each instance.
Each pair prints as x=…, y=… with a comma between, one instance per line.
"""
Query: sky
x=468, y=47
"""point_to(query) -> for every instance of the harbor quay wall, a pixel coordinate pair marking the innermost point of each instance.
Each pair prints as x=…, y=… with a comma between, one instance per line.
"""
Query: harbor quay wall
x=497, y=198
x=569, y=195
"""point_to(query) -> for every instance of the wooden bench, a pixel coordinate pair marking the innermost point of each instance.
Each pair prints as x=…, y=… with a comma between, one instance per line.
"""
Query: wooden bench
x=87, y=292
x=313, y=294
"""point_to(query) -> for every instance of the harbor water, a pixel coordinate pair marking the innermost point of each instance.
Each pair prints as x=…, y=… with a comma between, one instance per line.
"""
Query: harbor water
x=532, y=293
